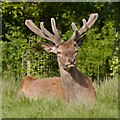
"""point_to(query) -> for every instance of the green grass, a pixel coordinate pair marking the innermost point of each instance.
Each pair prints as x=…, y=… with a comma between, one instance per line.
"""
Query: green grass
x=106, y=105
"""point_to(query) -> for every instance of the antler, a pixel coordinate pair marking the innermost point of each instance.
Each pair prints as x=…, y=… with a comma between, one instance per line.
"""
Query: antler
x=86, y=25
x=44, y=33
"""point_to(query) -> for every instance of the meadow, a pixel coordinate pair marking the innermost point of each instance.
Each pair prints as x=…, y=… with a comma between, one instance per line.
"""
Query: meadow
x=106, y=105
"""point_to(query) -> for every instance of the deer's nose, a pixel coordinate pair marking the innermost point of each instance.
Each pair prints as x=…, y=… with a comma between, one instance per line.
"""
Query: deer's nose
x=71, y=61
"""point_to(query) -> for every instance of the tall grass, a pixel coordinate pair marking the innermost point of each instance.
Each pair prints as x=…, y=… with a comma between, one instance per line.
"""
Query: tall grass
x=106, y=105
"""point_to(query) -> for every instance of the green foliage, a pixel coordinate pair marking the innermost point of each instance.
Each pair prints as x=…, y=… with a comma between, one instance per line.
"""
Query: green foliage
x=96, y=53
x=106, y=105
x=98, y=56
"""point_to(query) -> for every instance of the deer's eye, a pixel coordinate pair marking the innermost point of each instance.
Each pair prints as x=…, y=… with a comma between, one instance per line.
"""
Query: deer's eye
x=58, y=52
x=75, y=44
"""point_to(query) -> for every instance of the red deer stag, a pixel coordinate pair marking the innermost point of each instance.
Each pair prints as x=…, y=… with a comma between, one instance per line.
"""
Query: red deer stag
x=72, y=85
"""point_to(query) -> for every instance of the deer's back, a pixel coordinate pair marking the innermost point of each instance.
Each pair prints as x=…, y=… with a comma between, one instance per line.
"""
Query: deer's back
x=35, y=88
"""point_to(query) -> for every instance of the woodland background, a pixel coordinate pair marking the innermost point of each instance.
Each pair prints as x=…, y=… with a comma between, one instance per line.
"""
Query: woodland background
x=97, y=58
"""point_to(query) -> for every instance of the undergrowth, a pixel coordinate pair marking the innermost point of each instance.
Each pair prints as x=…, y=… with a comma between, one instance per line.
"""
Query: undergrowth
x=106, y=105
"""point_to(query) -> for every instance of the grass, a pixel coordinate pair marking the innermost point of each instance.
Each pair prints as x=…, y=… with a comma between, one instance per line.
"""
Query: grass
x=106, y=105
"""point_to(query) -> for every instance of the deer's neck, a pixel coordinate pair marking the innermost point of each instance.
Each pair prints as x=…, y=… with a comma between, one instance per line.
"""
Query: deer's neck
x=76, y=85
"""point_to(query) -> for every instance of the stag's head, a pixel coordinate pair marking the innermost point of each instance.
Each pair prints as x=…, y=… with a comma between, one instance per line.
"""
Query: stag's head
x=66, y=50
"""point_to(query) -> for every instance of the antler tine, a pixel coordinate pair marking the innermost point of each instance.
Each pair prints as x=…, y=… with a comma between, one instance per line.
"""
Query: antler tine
x=86, y=25
x=74, y=27
x=92, y=19
x=35, y=29
x=54, y=38
x=55, y=31
x=44, y=33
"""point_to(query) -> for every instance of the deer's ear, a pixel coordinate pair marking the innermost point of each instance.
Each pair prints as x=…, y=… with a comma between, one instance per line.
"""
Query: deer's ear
x=49, y=48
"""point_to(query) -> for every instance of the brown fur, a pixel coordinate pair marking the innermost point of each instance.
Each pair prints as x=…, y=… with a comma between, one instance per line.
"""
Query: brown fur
x=34, y=88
